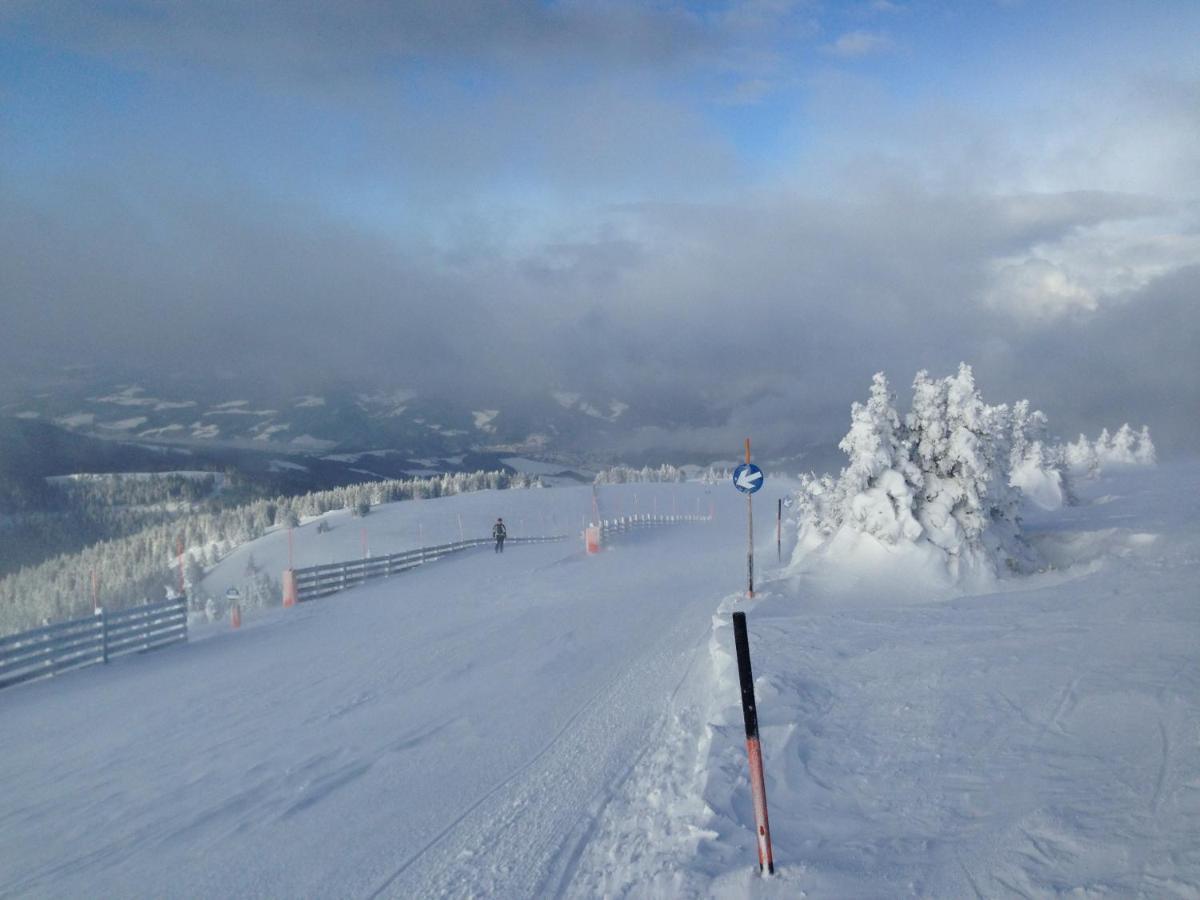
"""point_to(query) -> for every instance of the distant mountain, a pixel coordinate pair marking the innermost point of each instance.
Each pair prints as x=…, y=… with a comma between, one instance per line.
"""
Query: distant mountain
x=312, y=421
x=317, y=433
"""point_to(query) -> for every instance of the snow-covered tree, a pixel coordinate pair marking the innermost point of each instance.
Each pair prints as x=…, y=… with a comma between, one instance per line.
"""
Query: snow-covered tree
x=1039, y=471
x=1145, y=454
x=143, y=563
x=876, y=488
x=1122, y=446
x=1081, y=457
x=940, y=476
x=1125, y=448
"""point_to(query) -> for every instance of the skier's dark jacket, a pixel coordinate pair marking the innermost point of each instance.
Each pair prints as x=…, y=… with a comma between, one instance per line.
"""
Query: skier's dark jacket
x=499, y=532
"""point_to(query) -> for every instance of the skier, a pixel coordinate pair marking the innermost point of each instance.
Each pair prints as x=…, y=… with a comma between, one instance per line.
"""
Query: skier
x=499, y=532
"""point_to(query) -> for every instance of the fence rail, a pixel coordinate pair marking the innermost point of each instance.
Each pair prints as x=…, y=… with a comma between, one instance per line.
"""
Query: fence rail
x=623, y=524
x=54, y=649
x=314, y=582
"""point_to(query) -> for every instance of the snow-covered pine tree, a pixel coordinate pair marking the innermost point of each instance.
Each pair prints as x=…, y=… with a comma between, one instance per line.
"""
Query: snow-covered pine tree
x=1145, y=453
x=1121, y=451
x=1081, y=457
x=942, y=477
x=876, y=488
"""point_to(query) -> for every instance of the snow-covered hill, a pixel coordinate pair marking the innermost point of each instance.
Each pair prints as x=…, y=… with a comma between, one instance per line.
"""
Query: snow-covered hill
x=545, y=723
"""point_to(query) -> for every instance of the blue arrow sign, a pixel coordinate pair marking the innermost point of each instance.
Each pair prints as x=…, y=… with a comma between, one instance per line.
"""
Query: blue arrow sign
x=747, y=478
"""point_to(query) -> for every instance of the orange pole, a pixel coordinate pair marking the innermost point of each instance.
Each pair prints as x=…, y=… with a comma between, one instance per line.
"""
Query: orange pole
x=179, y=545
x=750, y=534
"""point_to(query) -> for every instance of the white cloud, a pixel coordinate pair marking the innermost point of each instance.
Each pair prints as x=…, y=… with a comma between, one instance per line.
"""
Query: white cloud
x=1092, y=266
x=1034, y=288
x=854, y=44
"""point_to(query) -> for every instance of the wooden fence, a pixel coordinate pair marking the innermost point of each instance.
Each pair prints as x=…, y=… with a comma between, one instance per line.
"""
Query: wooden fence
x=314, y=582
x=59, y=648
x=624, y=524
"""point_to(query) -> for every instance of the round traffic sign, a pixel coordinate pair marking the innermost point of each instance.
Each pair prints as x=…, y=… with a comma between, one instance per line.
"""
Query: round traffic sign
x=747, y=478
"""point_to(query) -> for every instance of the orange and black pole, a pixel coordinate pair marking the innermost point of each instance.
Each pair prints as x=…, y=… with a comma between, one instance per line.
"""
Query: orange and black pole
x=758, y=787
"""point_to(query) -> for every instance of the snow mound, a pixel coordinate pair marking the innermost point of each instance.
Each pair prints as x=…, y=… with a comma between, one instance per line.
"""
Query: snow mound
x=1041, y=487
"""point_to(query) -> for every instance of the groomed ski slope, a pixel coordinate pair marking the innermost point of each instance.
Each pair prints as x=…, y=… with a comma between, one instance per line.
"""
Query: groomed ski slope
x=544, y=723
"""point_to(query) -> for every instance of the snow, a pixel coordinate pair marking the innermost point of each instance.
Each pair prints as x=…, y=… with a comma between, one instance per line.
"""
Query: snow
x=308, y=400
x=236, y=408
x=280, y=465
x=357, y=457
x=201, y=430
x=125, y=424
x=532, y=466
x=308, y=442
x=483, y=419
x=191, y=474
x=1040, y=486
x=265, y=433
x=544, y=723
x=76, y=420
x=159, y=432
x=128, y=397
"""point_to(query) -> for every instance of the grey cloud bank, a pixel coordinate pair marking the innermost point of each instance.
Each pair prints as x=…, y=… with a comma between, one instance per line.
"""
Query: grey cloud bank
x=485, y=204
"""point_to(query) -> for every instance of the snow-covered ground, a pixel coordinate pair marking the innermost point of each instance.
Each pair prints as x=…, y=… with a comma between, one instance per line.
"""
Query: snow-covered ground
x=545, y=723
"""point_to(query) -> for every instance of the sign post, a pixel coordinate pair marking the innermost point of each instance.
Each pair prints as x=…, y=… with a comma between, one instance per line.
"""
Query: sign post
x=748, y=478
x=179, y=547
x=779, y=530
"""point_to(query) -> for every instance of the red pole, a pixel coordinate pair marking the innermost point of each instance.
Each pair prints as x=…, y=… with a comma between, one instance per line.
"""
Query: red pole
x=750, y=533
x=779, y=531
x=758, y=786
x=291, y=562
x=179, y=545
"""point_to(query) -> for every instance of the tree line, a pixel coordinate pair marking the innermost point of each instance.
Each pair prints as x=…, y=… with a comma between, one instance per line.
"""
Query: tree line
x=131, y=569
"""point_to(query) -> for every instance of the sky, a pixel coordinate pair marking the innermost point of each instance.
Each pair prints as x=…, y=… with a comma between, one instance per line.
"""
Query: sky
x=745, y=207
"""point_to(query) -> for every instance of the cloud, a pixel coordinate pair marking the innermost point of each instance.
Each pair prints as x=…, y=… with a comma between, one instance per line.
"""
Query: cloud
x=314, y=40
x=855, y=44
x=489, y=200
x=1034, y=288
x=1101, y=258
x=746, y=93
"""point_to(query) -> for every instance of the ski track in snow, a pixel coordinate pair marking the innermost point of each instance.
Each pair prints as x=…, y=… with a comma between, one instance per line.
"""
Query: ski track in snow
x=545, y=724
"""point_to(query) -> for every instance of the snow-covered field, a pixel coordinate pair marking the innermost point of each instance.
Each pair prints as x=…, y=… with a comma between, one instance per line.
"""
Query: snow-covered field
x=544, y=723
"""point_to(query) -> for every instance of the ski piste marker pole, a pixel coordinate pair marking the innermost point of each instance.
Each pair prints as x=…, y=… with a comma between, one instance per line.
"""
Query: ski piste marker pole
x=758, y=786
x=750, y=534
